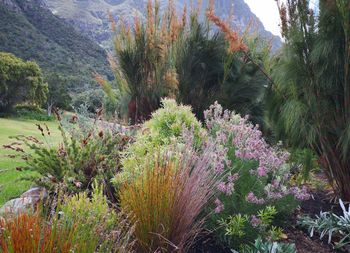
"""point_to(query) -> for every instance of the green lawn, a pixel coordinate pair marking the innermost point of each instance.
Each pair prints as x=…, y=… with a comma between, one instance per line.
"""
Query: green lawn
x=11, y=185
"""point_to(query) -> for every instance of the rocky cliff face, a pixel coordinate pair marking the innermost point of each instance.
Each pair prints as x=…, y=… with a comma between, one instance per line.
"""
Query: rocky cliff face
x=90, y=16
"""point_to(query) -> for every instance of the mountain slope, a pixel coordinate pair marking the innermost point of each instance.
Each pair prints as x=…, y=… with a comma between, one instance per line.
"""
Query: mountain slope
x=30, y=31
x=90, y=16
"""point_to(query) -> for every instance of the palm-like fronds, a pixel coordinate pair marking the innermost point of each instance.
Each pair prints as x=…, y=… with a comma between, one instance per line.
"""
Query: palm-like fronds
x=309, y=103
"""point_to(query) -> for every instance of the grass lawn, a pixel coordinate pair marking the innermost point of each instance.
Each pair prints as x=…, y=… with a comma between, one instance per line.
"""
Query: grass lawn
x=11, y=185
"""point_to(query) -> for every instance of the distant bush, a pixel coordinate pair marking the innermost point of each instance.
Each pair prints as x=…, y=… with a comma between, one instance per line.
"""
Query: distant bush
x=31, y=112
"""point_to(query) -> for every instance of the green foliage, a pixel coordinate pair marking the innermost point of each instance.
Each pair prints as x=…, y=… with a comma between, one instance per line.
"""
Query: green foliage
x=94, y=220
x=34, y=33
x=20, y=81
x=308, y=104
x=91, y=99
x=304, y=163
x=31, y=112
x=269, y=247
x=208, y=73
x=335, y=227
x=164, y=128
x=234, y=225
x=96, y=99
x=84, y=156
x=58, y=93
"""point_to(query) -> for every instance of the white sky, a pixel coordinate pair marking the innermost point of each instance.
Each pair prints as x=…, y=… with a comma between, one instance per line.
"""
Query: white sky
x=267, y=12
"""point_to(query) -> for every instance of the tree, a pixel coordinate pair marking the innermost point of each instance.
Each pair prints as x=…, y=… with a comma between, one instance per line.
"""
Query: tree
x=309, y=102
x=209, y=72
x=58, y=95
x=144, y=66
x=20, y=81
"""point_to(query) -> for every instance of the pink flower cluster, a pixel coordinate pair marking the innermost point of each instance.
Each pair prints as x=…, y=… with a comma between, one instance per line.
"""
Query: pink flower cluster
x=219, y=206
x=255, y=221
x=225, y=126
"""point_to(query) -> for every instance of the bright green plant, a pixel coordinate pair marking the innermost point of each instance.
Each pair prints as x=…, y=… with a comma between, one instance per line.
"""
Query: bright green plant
x=234, y=225
x=156, y=135
x=95, y=221
x=267, y=215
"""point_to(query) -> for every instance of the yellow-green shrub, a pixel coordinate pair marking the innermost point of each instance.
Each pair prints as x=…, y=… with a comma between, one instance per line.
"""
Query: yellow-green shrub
x=156, y=136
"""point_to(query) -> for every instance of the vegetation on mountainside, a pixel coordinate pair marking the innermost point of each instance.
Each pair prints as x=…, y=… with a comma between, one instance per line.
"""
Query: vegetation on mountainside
x=35, y=33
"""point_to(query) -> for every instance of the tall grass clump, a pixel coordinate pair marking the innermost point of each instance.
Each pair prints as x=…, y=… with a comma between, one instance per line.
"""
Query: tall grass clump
x=32, y=234
x=166, y=201
x=144, y=59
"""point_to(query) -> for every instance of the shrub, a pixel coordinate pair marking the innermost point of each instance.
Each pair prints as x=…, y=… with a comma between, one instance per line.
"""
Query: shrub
x=165, y=201
x=161, y=131
x=31, y=112
x=87, y=153
x=255, y=176
x=96, y=224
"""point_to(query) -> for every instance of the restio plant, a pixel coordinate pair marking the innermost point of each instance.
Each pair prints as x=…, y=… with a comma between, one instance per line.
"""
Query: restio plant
x=32, y=233
x=166, y=201
x=162, y=131
x=308, y=100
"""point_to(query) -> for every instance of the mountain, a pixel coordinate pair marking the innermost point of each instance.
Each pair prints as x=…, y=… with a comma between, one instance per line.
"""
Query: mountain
x=29, y=30
x=91, y=16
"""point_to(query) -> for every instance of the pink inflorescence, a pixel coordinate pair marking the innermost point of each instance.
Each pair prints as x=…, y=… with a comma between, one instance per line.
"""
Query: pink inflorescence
x=255, y=221
x=249, y=145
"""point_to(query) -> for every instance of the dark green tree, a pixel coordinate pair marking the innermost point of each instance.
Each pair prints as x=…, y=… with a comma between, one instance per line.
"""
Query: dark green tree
x=207, y=72
x=309, y=102
x=58, y=95
x=20, y=82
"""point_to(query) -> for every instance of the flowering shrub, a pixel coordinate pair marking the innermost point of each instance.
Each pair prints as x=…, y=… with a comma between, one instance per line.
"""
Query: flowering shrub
x=255, y=175
x=162, y=131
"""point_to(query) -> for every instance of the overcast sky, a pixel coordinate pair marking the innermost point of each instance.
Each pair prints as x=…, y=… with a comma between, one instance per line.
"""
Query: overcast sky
x=267, y=12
